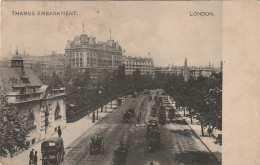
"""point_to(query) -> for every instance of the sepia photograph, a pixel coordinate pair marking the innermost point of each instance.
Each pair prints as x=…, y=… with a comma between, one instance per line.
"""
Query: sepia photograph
x=111, y=83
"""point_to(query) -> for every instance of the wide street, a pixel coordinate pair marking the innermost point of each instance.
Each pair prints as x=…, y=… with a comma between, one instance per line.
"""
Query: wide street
x=178, y=144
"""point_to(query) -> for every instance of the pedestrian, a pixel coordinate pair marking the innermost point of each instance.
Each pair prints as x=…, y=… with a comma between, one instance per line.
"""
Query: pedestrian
x=93, y=117
x=59, y=131
x=209, y=131
x=35, y=158
x=31, y=157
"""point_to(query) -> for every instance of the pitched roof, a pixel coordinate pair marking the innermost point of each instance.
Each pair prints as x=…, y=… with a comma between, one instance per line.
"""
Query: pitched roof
x=10, y=76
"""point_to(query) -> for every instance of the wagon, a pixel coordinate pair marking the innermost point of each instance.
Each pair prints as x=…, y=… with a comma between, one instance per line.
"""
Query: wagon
x=96, y=144
x=132, y=112
x=153, y=140
x=120, y=155
x=52, y=151
x=162, y=115
x=127, y=117
x=171, y=114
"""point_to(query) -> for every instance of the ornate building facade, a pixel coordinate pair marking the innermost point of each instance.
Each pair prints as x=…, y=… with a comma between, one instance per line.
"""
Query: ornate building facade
x=41, y=108
x=85, y=53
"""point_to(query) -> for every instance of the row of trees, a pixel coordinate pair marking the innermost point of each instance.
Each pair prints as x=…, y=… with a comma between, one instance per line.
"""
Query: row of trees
x=201, y=97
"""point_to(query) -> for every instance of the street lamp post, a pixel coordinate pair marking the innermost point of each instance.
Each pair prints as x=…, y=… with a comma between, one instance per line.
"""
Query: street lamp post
x=93, y=117
x=99, y=92
x=101, y=106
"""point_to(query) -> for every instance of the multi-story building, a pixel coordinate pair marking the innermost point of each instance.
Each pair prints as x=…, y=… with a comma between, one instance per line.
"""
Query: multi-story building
x=85, y=53
x=199, y=71
x=145, y=65
x=41, y=108
x=167, y=70
x=53, y=63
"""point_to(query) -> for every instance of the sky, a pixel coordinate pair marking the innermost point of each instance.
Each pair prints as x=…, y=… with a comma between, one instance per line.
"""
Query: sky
x=165, y=29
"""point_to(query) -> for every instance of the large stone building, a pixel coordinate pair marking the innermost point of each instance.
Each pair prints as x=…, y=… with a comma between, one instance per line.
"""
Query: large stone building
x=145, y=65
x=85, y=53
x=41, y=108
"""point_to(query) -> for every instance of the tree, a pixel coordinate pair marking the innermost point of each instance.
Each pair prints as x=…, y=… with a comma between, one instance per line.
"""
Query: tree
x=12, y=129
x=137, y=80
x=55, y=81
x=121, y=72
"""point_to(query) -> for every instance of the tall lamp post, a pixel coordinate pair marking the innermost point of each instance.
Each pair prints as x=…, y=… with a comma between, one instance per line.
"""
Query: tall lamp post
x=99, y=93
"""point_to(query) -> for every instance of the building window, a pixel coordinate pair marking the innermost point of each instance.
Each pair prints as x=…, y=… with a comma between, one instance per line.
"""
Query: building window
x=33, y=141
x=57, y=112
x=28, y=143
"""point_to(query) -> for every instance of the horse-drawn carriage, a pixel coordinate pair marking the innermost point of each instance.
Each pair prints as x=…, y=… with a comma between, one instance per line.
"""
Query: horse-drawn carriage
x=153, y=135
x=153, y=140
x=153, y=113
x=132, y=112
x=120, y=154
x=96, y=144
x=128, y=115
x=162, y=115
x=152, y=125
x=171, y=114
x=150, y=98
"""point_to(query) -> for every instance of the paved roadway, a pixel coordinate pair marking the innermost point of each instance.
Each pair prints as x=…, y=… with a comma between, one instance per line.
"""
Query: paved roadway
x=178, y=144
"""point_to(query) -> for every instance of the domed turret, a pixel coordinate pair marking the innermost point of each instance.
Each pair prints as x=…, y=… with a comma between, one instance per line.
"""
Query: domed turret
x=17, y=61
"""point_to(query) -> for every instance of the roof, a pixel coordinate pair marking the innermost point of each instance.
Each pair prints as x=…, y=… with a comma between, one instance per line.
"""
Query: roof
x=10, y=76
x=17, y=57
x=54, y=139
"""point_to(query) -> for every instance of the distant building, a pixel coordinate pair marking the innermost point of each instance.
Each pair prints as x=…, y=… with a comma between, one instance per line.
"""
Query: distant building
x=42, y=64
x=145, y=65
x=167, y=71
x=53, y=63
x=41, y=108
x=85, y=53
x=195, y=72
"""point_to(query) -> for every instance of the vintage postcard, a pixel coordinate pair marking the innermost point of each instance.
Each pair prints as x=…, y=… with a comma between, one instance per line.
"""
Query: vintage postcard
x=102, y=82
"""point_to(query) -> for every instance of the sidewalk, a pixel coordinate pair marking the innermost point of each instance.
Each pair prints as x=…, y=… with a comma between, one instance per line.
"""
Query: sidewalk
x=69, y=134
x=208, y=141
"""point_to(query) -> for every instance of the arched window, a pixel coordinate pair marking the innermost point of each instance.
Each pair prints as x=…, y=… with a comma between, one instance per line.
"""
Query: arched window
x=57, y=112
x=30, y=121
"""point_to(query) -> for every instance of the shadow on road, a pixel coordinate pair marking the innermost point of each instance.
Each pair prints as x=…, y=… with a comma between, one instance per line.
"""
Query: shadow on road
x=182, y=122
x=186, y=133
x=196, y=158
